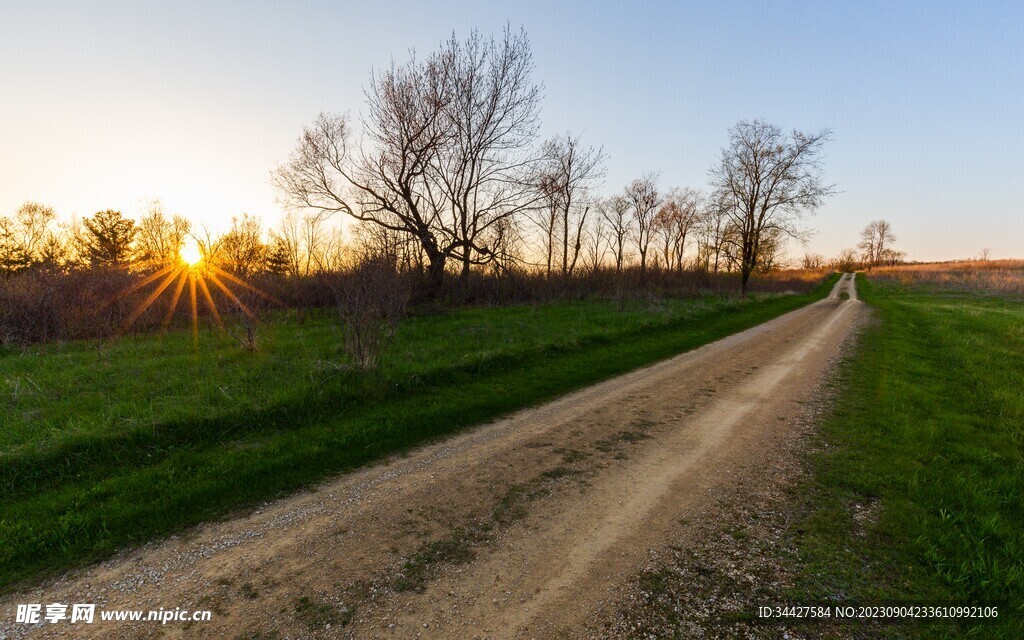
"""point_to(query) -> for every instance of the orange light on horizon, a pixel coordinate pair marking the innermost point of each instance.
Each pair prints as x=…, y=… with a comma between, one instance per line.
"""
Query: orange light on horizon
x=196, y=270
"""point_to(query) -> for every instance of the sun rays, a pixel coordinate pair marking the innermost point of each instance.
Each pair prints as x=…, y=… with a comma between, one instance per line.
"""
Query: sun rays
x=194, y=269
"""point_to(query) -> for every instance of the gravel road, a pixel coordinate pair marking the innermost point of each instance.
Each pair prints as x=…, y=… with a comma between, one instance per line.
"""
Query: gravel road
x=529, y=527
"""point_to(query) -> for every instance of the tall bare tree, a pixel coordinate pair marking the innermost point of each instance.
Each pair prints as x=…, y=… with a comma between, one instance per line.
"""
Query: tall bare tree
x=332, y=253
x=615, y=211
x=598, y=239
x=33, y=221
x=568, y=172
x=876, y=242
x=493, y=116
x=672, y=224
x=446, y=156
x=712, y=229
x=387, y=183
x=644, y=200
x=768, y=179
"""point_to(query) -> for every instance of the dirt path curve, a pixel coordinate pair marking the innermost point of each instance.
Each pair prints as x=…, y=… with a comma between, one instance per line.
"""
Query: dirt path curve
x=521, y=528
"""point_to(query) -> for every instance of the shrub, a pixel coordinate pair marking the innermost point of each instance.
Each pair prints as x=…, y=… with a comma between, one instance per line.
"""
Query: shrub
x=371, y=298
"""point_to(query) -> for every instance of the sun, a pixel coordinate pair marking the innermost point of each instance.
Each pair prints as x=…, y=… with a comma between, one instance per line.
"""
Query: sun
x=194, y=269
x=190, y=254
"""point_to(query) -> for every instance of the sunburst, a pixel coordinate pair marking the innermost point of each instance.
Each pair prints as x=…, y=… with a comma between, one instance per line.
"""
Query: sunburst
x=190, y=253
x=195, y=269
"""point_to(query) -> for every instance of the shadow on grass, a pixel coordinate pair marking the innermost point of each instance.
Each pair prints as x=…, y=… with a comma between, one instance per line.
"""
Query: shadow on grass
x=84, y=500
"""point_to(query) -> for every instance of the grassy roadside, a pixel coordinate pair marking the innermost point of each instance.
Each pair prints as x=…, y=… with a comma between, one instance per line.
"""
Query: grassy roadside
x=918, y=495
x=109, y=450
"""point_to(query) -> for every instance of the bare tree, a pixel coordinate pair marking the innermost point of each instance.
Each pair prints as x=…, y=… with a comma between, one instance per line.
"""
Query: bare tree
x=288, y=238
x=644, y=200
x=313, y=243
x=598, y=239
x=32, y=221
x=210, y=245
x=712, y=230
x=768, y=180
x=507, y=246
x=813, y=261
x=484, y=169
x=545, y=216
x=847, y=260
x=23, y=235
x=447, y=154
x=159, y=238
x=615, y=211
x=332, y=252
x=672, y=223
x=876, y=242
x=568, y=172
x=242, y=249
x=770, y=257
x=388, y=183
x=891, y=257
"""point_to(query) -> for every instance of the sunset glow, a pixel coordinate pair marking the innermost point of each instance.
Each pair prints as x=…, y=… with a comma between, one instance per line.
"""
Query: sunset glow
x=190, y=253
x=196, y=272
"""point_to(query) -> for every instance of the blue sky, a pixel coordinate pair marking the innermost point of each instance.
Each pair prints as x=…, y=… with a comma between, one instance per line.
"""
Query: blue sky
x=110, y=104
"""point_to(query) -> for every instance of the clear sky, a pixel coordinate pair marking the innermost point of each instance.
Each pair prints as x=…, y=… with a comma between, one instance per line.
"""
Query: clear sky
x=108, y=104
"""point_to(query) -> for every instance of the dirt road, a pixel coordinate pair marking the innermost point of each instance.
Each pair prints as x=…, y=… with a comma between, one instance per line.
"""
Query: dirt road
x=527, y=527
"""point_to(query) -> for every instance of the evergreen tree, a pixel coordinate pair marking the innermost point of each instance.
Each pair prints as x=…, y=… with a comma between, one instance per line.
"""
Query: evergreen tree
x=278, y=257
x=108, y=237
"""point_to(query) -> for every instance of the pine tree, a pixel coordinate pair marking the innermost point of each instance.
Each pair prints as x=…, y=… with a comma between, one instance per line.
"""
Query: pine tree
x=108, y=238
x=278, y=258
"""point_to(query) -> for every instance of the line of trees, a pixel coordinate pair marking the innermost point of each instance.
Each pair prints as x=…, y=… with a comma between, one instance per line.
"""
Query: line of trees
x=572, y=231
x=448, y=167
x=875, y=249
x=32, y=238
x=447, y=175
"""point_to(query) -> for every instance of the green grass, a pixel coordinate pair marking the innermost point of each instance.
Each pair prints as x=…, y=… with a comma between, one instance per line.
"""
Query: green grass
x=927, y=440
x=103, y=449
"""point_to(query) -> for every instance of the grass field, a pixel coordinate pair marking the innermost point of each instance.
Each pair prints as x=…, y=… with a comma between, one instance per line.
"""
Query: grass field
x=107, y=448
x=919, y=493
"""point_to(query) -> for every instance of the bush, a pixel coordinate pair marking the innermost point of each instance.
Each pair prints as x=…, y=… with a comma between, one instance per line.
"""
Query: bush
x=39, y=304
x=371, y=298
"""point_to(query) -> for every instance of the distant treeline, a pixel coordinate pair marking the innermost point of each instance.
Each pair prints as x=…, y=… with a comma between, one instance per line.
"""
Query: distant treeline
x=450, y=196
x=62, y=282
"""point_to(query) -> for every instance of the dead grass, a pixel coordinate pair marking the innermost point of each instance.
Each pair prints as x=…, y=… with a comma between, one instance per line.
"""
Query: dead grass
x=999, y=277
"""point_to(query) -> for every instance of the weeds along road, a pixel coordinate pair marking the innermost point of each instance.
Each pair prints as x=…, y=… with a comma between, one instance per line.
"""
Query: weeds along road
x=526, y=527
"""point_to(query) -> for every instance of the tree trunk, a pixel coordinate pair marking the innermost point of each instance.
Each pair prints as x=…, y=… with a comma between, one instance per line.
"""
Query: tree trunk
x=435, y=274
x=565, y=243
x=743, y=281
